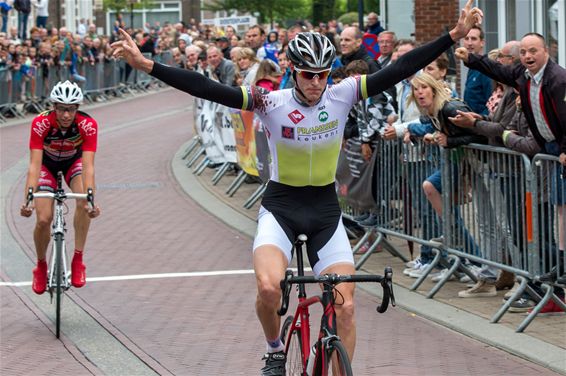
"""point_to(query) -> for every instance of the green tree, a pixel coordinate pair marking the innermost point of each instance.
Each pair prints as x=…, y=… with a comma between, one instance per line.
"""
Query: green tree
x=121, y=5
x=272, y=11
x=323, y=10
x=369, y=6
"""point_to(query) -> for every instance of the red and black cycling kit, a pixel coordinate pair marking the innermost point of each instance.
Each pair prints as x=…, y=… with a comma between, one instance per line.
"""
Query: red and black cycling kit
x=62, y=149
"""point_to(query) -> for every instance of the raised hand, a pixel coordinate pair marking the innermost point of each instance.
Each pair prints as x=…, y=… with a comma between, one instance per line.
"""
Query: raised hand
x=462, y=54
x=127, y=49
x=464, y=119
x=469, y=17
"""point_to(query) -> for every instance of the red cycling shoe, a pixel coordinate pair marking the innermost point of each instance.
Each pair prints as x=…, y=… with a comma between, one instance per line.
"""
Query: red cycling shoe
x=78, y=273
x=39, y=283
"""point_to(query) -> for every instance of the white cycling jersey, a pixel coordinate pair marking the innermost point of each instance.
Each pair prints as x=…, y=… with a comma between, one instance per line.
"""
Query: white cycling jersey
x=305, y=141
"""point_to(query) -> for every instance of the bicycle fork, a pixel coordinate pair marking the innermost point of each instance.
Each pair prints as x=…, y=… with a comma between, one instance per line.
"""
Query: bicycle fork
x=59, y=253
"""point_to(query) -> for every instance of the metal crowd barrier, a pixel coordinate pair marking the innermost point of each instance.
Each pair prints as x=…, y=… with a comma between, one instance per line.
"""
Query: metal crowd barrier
x=498, y=210
x=28, y=93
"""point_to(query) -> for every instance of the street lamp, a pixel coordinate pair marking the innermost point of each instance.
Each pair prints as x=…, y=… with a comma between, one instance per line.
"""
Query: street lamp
x=132, y=3
x=361, y=14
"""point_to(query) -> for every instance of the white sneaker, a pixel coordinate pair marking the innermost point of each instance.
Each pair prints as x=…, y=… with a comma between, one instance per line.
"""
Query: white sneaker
x=416, y=265
x=440, y=275
x=411, y=264
x=418, y=272
x=475, y=271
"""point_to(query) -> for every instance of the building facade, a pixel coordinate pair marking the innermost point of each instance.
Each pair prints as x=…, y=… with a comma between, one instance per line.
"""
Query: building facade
x=504, y=20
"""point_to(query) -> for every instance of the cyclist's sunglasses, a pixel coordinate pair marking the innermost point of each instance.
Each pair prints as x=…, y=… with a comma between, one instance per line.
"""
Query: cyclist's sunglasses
x=308, y=75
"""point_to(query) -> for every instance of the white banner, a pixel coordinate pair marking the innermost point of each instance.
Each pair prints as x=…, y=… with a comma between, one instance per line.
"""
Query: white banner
x=224, y=124
x=209, y=133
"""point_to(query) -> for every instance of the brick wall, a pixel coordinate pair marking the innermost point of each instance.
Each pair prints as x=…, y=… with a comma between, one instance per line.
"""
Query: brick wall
x=432, y=18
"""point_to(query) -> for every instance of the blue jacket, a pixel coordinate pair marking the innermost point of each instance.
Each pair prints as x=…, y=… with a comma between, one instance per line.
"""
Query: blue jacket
x=478, y=90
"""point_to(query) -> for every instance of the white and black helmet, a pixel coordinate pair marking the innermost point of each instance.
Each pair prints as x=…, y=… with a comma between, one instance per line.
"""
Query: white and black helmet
x=67, y=92
x=311, y=50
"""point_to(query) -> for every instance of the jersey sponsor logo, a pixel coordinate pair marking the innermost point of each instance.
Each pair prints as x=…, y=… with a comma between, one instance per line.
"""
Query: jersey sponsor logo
x=288, y=132
x=87, y=127
x=41, y=126
x=296, y=116
x=319, y=132
x=323, y=116
x=323, y=128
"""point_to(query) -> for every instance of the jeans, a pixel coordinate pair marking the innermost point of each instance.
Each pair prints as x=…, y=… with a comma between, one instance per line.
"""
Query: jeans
x=4, y=22
x=423, y=210
x=22, y=25
x=41, y=21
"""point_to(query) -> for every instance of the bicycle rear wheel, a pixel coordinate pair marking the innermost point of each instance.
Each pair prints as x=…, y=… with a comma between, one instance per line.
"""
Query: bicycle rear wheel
x=58, y=249
x=292, y=340
x=338, y=359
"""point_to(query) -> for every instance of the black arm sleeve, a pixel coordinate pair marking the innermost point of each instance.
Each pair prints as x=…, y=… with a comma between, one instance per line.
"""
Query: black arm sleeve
x=407, y=65
x=198, y=85
x=502, y=73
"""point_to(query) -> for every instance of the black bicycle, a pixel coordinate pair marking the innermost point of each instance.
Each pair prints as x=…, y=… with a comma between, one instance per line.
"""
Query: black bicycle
x=58, y=277
x=295, y=331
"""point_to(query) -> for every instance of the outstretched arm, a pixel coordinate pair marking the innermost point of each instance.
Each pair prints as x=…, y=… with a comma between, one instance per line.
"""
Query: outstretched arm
x=190, y=82
x=413, y=61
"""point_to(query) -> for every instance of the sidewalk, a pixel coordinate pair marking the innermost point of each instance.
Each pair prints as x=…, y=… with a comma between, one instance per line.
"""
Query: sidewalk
x=543, y=342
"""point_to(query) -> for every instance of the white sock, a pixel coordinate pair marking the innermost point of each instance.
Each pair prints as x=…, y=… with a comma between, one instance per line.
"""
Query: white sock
x=275, y=346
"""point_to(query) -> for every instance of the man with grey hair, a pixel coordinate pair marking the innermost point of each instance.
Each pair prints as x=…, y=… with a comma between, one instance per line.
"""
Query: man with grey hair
x=373, y=25
x=192, y=52
x=387, y=41
x=223, y=69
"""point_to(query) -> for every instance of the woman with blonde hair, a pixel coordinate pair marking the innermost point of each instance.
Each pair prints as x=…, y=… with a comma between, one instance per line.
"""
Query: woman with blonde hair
x=437, y=107
x=247, y=65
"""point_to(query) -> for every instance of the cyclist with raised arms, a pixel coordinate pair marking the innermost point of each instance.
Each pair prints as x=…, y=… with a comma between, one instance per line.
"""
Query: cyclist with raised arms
x=62, y=139
x=304, y=127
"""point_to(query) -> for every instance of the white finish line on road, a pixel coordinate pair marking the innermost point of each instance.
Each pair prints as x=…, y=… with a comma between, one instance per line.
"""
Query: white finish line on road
x=151, y=276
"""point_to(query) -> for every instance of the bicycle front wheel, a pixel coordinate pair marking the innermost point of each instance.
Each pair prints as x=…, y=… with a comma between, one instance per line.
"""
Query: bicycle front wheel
x=292, y=339
x=58, y=249
x=338, y=360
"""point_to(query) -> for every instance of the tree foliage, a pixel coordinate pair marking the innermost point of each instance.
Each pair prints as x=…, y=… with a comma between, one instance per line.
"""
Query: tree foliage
x=272, y=11
x=369, y=6
x=124, y=5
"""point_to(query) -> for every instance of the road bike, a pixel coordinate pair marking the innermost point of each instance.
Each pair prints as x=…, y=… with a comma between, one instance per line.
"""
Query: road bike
x=302, y=358
x=58, y=276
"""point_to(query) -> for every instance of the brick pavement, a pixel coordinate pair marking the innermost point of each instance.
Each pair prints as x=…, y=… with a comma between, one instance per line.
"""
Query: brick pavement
x=196, y=325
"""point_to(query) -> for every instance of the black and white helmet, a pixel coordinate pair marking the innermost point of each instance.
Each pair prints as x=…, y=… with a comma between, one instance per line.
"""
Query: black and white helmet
x=66, y=92
x=311, y=50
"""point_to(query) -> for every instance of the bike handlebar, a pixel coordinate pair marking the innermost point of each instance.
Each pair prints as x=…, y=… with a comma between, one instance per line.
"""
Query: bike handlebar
x=334, y=279
x=61, y=196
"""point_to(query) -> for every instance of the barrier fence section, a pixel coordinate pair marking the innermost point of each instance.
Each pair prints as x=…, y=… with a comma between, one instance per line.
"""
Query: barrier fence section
x=27, y=89
x=475, y=207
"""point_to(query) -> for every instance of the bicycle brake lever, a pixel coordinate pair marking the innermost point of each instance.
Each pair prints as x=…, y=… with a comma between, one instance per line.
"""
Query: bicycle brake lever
x=391, y=295
x=30, y=196
x=389, y=279
x=90, y=198
x=286, y=289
